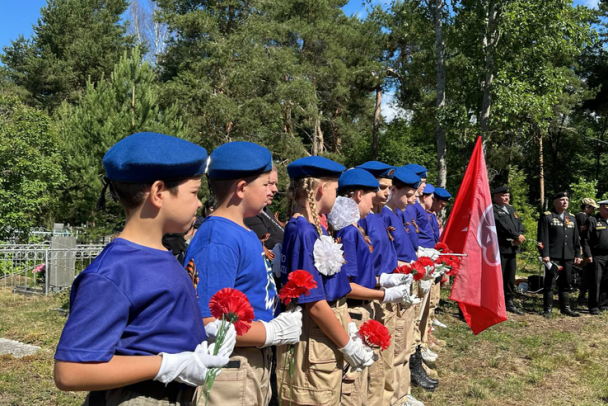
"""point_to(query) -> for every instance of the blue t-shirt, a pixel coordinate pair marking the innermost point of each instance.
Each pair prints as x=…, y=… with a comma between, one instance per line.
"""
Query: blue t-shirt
x=227, y=255
x=408, y=216
x=434, y=225
x=131, y=300
x=358, y=265
x=401, y=241
x=425, y=236
x=384, y=257
x=298, y=247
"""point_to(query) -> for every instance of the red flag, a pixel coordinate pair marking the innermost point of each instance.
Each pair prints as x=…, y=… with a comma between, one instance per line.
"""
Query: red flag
x=471, y=230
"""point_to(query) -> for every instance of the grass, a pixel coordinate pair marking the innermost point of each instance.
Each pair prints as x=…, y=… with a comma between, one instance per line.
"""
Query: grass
x=29, y=380
x=526, y=360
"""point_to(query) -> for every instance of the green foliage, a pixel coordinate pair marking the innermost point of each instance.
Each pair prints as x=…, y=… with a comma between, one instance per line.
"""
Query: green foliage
x=580, y=190
x=528, y=213
x=30, y=167
x=73, y=42
x=108, y=111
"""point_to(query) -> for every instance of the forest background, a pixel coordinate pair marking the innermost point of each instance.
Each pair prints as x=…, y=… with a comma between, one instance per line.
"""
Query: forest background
x=301, y=77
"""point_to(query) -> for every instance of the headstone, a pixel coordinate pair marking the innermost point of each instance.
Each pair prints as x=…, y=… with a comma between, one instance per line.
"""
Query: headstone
x=62, y=262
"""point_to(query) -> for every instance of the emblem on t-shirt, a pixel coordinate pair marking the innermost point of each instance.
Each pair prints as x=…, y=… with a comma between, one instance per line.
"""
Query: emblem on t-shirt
x=271, y=287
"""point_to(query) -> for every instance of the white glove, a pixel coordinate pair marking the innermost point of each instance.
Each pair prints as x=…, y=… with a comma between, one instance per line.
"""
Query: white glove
x=229, y=339
x=425, y=285
x=189, y=367
x=428, y=252
x=395, y=294
x=353, y=331
x=389, y=280
x=286, y=328
x=410, y=300
x=357, y=355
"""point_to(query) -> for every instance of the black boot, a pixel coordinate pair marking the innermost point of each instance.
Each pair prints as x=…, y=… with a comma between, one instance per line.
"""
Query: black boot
x=564, y=305
x=419, y=375
x=511, y=307
x=547, y=304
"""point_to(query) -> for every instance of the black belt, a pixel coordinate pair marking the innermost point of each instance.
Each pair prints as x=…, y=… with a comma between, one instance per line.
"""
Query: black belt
x=337, y=303
x=151, y=389
x=356, y=302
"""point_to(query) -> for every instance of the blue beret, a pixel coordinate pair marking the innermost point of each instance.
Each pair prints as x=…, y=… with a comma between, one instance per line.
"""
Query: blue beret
x=408, y=177
x=239, y=159
x=148, y=157
x=442, y=194
x=314, y=166
x=357, y=178
x=428, y=189
x=378, y=169
x=417, y=169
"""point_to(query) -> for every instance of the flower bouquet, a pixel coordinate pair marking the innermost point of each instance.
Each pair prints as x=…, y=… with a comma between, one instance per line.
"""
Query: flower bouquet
x=299, y=283
x=375, y=335
x=231, y=306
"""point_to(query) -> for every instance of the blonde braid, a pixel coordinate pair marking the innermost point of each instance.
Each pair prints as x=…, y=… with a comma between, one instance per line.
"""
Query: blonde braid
x=312, y=206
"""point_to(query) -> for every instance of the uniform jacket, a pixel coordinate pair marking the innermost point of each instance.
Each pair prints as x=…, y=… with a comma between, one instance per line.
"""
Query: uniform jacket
x=508, y=227
x=595, y=236
x=558, y=239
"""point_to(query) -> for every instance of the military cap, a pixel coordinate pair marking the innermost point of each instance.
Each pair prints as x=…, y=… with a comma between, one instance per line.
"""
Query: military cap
x=378, y=169
x=590, y=202
x=442, y=194
x=428, y=189
x=407, y=177
x=314, y=166
x=417, y=169
x=559, y=195
x=148, y=157
x=603, y=203
x=500, y=190
x=238, y=159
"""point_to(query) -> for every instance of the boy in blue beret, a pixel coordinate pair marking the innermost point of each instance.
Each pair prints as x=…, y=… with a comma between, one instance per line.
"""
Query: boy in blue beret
x=382, y=381
x=416, y=212
x=357, y=188
x=135, y=331
x=227, y=254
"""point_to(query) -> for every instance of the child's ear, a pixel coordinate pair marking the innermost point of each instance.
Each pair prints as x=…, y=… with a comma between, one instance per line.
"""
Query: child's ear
x=358, y=195
x=156, y=193
x=239, y=189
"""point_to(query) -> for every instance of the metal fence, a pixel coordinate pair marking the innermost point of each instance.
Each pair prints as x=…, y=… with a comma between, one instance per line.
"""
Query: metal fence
x=42, y=269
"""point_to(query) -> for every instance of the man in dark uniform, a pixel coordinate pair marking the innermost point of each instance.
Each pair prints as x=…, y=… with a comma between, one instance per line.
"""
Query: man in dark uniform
x=559, y=246
x=595, y=250
x=510, y=231
x=588, y=206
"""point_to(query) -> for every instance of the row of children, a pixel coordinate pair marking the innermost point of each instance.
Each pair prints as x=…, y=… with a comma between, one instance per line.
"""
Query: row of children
x=138, y=333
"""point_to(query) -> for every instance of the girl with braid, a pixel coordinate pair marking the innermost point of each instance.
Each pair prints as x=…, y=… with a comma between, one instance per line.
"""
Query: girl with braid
x=357, y=188
x=325, y=346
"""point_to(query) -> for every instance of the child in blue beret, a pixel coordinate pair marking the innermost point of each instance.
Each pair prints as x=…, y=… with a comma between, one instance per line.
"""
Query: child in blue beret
x=382, y=372
x=357, y=188
x=425, y=231
x=135, y=331
x=325, y=345
x=403, y=194
x=227, y=254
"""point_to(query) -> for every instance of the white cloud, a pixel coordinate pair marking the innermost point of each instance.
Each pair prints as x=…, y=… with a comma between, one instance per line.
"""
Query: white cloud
x=390, y=110
x=592, y=3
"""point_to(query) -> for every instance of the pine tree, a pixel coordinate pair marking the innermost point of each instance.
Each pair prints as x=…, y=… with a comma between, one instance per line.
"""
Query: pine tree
x=74, y=41
x=109, y=110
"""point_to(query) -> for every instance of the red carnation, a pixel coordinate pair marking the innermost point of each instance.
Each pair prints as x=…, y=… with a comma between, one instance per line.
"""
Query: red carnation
x=375, y=334
x=403, y=269
x=233, y=306
x=442, y=247
x=299, y=283
x=426, y=261
x=444, y=280
x=418, y=271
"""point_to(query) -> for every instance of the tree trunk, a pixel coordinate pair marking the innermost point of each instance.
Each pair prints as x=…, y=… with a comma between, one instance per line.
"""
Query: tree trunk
x=440, y=98
x=319, y=135
x=489, y=42
x=542, y=171
x=335, y=132
x=376, y=129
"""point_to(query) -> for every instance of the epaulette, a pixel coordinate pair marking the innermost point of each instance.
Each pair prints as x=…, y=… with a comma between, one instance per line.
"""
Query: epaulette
x=547, y=212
